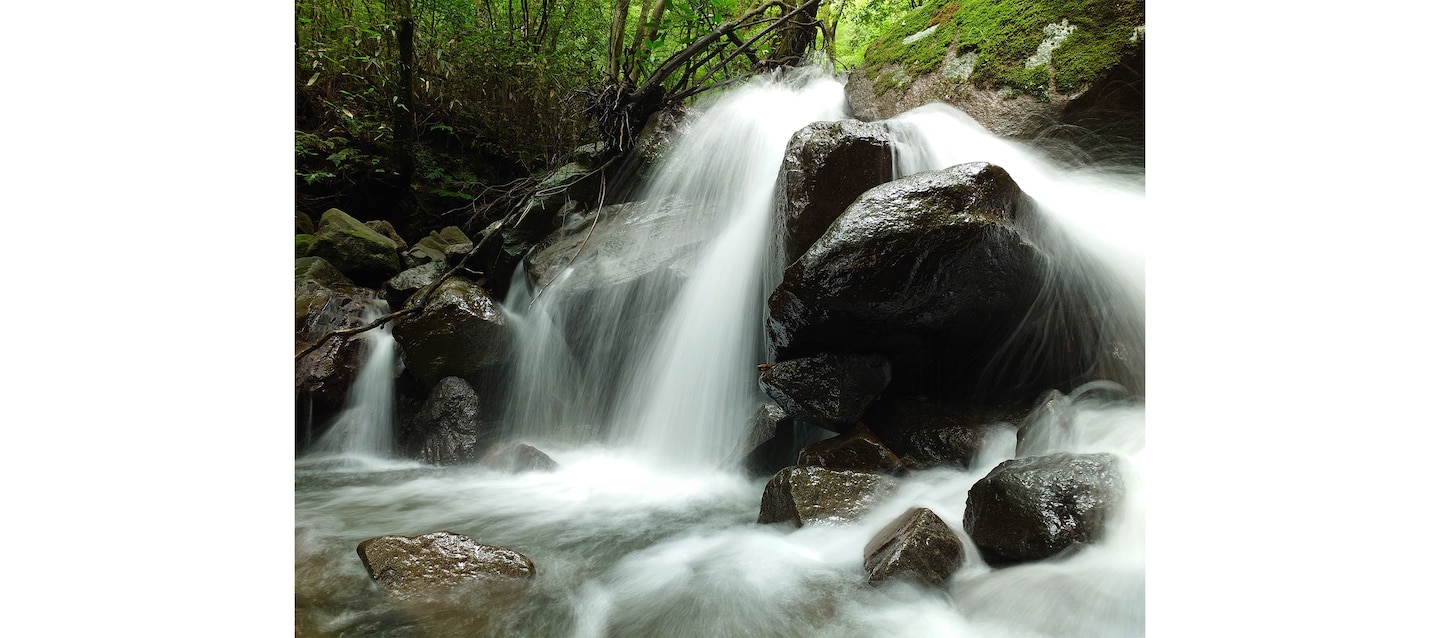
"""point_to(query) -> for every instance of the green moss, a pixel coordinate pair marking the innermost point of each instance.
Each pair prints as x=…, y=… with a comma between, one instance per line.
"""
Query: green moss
x=303, y=243
x=1004, y=33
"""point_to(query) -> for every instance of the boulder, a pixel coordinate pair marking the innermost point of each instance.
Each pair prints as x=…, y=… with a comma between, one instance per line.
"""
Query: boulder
x=826, y=166
x=366, y=256
x=303, y=244
x=387, y=229
x=917, y=546
x=1034, y=507
x=517, y=457
x=630, y=241
x=422, y=566
x=431, y=248
x=826, y=390
x=303, y=224
x=810, y=495
x=460, y=333
x=396, y=290
x=933, y=271
x=856, y=450
x=1059, y=73
x=927, y=434
x=448, y=425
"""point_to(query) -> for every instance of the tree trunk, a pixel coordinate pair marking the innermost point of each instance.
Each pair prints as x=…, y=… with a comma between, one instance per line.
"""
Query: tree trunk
x=617, y=40
x=403, y=115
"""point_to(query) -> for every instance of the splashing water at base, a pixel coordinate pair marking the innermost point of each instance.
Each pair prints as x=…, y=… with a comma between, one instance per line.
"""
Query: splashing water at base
x=365, y=426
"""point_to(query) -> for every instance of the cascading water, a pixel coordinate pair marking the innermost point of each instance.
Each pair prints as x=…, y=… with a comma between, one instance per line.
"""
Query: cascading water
x=687, y=385
x=365, y=426
x=626, y=372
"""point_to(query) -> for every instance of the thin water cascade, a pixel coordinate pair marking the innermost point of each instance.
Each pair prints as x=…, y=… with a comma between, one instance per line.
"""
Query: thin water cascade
x=676, y=356
x=366, y=424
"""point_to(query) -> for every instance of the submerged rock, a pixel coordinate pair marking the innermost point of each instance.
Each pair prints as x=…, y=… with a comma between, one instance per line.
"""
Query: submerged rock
x=448, y=425
x=460, y=332
x=431, y=564
x=1034, y=507
x=916, y=546
x=355, y=249
x=811, y=495
x=934, y=271
x=856, y=450
x=826, y=166
x=518, y=457
x=828, y=391
x=926, y=434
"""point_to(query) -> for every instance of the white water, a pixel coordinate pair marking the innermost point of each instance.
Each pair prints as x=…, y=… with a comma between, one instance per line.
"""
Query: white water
x=639, y=393
x=365, y=426
x=680, y=364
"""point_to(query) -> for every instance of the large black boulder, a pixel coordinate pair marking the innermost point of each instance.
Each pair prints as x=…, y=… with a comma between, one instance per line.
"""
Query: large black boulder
x=448, y=426
x=827, y=391
x=827, y=165
x=1034, y=507
x=933, y=270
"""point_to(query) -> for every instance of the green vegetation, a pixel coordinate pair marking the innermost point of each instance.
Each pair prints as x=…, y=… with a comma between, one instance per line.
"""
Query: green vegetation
x=1004, y=34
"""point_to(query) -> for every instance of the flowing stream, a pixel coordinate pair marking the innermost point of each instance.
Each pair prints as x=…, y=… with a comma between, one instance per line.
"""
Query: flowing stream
x=640, y=391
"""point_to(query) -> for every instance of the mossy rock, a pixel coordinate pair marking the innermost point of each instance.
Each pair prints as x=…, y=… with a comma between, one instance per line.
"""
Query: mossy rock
x=431, y=248
x=1013, y=65
x=303, y=244
x=303, y=224
x=364, y=255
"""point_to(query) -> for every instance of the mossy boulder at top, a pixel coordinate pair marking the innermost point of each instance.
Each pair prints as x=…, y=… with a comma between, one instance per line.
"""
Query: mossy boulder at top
x=1018, y=67
x=460, y=333
x=364, y=255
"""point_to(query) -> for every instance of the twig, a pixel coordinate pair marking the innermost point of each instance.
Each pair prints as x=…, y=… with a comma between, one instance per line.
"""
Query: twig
x=593, y=223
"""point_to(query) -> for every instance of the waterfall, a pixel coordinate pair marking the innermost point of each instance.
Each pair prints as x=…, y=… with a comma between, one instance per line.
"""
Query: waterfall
x=366, y=423
x=666, y=366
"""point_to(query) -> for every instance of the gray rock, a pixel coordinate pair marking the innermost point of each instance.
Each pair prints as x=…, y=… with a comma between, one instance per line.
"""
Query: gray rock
x=518, y=457
x=396, y=290
x=630, y=241
x=917, y=546
x=448, y=424
x=1032, y=508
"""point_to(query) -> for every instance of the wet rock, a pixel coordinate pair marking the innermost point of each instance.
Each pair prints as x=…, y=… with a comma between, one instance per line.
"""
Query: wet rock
x=630, y=241
x=431, y=248
x=828, y=391
x=460, y=333
x=934, y=271
x=856, y=450
x=396, y=290
x=456, y=253
x=517, y=457
x=827, y=165
x=1034, y=507
x=325, y=300
x=448, y=425
x=366, y=256
x=811, y=495
x=926, y=434
x=770, y=441
x=917, y=546
x=431, y=564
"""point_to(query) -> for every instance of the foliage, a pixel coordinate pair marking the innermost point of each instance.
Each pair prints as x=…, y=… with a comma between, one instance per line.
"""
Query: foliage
x=1004, y=33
